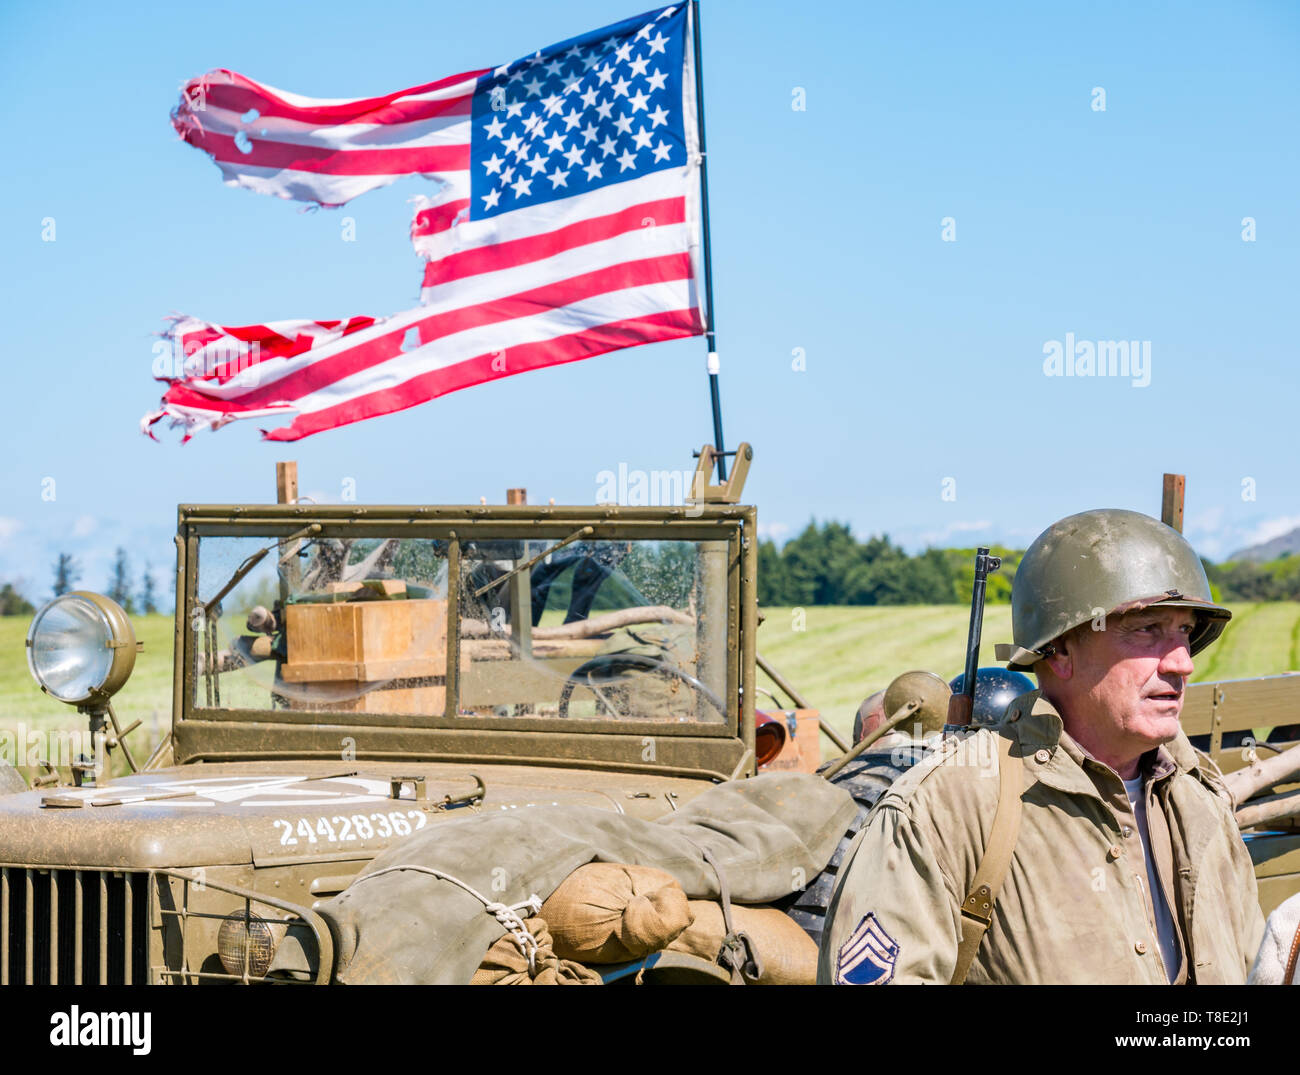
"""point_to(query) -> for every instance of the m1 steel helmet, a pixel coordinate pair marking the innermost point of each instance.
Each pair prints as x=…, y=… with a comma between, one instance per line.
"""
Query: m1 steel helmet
x=995, y=689
x=1101, y=563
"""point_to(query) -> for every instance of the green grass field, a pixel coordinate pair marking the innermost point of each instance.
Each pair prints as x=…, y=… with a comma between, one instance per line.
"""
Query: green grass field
x=835, y=656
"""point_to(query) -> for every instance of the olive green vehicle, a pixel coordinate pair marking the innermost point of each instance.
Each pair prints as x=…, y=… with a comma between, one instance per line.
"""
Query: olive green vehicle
x=347, y=676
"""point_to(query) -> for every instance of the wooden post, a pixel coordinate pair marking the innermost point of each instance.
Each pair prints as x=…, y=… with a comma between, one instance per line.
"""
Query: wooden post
x=1171, y=503
x=286, y=492
x=521, y=595
x=286, y=482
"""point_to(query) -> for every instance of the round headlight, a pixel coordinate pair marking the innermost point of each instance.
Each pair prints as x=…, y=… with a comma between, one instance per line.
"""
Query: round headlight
x=240, y=933
x=81, y=647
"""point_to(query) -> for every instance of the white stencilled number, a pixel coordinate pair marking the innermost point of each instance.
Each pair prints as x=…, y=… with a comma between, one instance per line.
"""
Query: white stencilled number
x=420, y=819
x=324, y=828
x=345, y=833
x=287, y=838
x=402, y=826
x=364, y=829
x=305, y=829
x=385, y=829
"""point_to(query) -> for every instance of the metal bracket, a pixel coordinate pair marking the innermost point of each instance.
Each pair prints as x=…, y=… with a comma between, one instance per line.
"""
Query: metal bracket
x=729, y=492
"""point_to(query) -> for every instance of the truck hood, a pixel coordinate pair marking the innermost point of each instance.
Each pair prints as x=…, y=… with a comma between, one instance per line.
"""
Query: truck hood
x=278, y=813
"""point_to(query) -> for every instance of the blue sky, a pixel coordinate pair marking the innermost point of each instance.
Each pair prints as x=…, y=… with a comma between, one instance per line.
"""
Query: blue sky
x=924, y=358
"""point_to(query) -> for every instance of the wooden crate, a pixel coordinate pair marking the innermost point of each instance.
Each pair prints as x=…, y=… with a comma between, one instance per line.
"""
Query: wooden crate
x=802, y=752
x=365, y=641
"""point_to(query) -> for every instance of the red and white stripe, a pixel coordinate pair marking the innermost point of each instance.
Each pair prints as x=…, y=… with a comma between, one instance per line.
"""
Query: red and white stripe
x=578, y=285
x=321, y=150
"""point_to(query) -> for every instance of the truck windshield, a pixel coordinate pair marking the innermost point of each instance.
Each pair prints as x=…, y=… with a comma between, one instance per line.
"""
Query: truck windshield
x=555, y=628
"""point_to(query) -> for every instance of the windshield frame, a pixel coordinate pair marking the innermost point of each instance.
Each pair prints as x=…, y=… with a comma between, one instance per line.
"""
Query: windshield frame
x=709, y=522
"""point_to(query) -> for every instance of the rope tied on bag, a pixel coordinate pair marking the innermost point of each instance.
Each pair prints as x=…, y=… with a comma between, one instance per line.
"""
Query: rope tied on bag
x=738, y=953
x=507, y=914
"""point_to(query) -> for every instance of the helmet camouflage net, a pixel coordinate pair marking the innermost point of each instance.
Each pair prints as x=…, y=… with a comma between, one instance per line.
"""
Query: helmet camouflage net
x=1101, y=563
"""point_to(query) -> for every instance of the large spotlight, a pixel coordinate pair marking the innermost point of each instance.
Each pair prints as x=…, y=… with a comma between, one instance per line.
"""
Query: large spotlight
x=81, y=649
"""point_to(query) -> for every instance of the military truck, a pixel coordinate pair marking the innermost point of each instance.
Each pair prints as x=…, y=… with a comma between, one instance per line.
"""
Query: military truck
x=345, y=676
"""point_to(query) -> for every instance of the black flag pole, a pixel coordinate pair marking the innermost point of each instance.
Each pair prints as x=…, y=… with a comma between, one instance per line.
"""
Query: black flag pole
x=710, y=335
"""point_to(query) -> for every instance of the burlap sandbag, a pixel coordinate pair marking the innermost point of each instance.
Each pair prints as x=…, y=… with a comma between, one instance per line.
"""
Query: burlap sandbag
x=788, y=955
x=609, y=912
x=506, y=964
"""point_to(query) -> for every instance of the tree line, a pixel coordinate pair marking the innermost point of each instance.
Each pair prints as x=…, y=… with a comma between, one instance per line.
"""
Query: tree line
x=141, y=597
x=824, y=565
x=827, y=565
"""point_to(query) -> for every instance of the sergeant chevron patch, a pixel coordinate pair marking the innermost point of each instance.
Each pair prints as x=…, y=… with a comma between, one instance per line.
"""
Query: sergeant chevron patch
x=868, y=957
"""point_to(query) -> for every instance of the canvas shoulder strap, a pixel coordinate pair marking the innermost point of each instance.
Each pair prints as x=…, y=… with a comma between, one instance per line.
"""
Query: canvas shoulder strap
x=977, y=911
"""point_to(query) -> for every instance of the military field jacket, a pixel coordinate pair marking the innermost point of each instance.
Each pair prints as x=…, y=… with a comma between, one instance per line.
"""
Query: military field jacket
x=1074, y=907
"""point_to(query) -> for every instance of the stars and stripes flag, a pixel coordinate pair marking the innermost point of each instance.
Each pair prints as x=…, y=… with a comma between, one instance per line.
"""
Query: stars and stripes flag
x=566, y=225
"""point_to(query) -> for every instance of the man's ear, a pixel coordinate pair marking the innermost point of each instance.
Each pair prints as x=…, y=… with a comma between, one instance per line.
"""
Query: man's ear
x=1061, y=659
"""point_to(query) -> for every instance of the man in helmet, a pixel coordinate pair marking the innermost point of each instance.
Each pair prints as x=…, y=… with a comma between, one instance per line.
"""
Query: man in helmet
x=1082, y=839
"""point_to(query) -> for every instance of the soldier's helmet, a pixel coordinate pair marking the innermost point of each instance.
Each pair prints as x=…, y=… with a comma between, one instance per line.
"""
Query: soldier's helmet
x=1104, y=563
x=995, y=689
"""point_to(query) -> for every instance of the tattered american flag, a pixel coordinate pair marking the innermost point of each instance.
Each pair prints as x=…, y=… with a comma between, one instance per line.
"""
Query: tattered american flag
x=566, y=225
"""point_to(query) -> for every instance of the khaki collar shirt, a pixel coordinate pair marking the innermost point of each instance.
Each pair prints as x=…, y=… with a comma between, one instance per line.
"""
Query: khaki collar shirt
x=1076, y=905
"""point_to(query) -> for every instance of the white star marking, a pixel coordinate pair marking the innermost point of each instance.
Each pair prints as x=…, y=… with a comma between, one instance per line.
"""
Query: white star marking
x=589, y=97
x=661, y=151
x=656, y=44
x=626, y=160
x=537, y=164
x=608, y=145
x=514, y=108
x=624, y=52
x=620, y=87
x=553, y=68
x=642, y=139
x=555, y=143
x=507, y=175
x=657, y=117
x=493, y=164
x=624, y=124
x=657, y=80
x=523, y=186
x=533, y=86
x=605, y=108
x=593, y=169
x=559, y=178
x=495, y=128
x=574, y=156
x=637, y=67
x=491, y=198
x=638, y=101
x=605, y=74
x=588, y=133
x=512, y=144
x=571, y=120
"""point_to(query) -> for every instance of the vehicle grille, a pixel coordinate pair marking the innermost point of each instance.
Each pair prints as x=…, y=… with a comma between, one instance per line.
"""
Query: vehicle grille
x=73, y=926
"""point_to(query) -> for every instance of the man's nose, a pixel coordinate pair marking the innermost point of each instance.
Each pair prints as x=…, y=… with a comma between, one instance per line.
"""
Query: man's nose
x=1177, y=660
